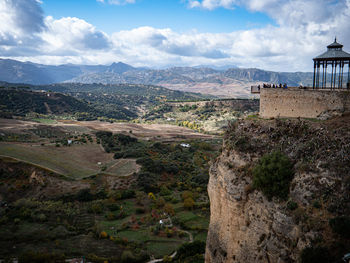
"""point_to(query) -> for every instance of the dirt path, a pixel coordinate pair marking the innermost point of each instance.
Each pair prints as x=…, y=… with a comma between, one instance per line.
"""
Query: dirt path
x=189, y=234
x=117, y=162
x=160, y=260
x=47, y=108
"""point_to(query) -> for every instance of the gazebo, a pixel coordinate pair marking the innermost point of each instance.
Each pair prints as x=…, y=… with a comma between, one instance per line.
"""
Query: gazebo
x=336, y=58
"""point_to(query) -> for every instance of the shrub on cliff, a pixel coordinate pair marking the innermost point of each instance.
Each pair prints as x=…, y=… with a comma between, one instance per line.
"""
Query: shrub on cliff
x=273, y=174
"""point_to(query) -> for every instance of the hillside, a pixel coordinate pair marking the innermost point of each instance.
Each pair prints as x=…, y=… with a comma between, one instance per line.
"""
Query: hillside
x=205, y=116
x=123, y=89
x=233, y=82
x=87, y=101
x=188, y=75
x=279, y=192
x=19, y=102
x=32, y=73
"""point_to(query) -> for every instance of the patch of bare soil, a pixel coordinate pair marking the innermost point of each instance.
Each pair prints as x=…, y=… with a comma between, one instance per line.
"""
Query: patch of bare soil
x=163, y=132
x=13, y=125
x=338, y=122
x=144, y=131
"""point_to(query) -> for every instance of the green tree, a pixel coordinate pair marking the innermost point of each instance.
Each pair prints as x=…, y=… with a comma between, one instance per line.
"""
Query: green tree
x=189, y=203
x=273, y=175
x=187, y=194
x=168, y=208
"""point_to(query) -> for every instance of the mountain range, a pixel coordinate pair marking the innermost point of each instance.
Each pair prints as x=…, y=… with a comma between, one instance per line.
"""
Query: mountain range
x=232, y=82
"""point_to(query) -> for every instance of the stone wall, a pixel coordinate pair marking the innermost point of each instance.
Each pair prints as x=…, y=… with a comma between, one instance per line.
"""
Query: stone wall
x=294, y=102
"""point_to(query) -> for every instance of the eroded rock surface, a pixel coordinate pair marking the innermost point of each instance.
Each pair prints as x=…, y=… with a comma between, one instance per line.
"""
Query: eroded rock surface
x=247, y=227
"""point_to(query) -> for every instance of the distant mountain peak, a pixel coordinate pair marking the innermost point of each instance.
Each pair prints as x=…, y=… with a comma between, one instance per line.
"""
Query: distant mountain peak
x=119, y=68
x=119, y=63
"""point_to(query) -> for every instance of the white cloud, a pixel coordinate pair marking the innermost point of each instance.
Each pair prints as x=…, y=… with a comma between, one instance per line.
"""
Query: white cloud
x=304, y=28
x=21, y=25
x=286, y=12
x=71, y=33
x=21, y=16
x=212, y=4
x=299, y=12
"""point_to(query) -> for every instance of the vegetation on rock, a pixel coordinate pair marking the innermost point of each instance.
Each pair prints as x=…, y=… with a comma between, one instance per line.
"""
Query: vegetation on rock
x=273, y=174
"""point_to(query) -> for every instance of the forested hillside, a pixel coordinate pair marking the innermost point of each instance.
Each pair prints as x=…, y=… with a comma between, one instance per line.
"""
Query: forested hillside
x=22, y=101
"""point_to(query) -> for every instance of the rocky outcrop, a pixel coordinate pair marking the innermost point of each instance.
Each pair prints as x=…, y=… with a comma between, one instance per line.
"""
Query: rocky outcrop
x=247, y=227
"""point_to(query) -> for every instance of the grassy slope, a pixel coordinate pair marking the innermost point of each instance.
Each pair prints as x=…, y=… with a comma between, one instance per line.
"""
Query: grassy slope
x=77, y=161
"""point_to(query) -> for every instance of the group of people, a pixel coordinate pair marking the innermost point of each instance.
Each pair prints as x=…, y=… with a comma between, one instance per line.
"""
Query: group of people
x=256, y=89
x=280, y=86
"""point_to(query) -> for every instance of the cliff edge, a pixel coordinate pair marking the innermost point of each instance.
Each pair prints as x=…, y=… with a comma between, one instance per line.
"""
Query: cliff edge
x=310, y=223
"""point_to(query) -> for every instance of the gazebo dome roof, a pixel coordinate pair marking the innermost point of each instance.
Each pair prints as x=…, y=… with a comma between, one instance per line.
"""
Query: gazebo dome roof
x=335, y=44
x=334, y=52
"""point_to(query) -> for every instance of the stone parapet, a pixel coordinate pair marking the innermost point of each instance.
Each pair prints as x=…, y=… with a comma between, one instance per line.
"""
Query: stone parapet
x=305, y=103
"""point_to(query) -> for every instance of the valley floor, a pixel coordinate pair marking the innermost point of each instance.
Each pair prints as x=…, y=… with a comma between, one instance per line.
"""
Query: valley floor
x=99, y=190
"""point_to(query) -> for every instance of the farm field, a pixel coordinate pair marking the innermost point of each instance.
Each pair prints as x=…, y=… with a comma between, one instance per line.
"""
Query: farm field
x=77, y=161
x=142, y=131
x=123, y=167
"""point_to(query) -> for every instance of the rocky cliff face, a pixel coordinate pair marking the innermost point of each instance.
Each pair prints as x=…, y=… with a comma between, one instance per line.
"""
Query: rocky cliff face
x=247, y=227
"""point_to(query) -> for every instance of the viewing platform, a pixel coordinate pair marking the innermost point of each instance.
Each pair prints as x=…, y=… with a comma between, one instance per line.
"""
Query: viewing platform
x=329, y=95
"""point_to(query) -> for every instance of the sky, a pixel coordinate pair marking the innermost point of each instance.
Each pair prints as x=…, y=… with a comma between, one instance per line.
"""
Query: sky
x=278, y=35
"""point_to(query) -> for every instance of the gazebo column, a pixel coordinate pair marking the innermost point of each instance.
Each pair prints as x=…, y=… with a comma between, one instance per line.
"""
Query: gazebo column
x=348, y=75
x=325, y=77
x=314, y=82
x=335, y=74
x=339, y=63
x=332, y=74
x=339, y=75
x=342, y=72
x=318, y=74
